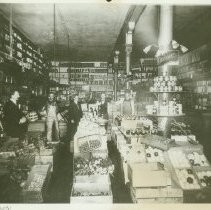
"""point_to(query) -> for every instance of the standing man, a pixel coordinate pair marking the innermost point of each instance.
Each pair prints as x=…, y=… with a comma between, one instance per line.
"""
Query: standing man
x=73, y=117
x=128, y=107
x=52, y=120
x=15, y=122
x=103, y=109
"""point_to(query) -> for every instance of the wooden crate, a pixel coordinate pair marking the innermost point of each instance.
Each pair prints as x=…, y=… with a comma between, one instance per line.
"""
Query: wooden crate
x=38, y=126
x=91, y=188
x=37, y=195
x=98, y=179
x=43, y=160
x=159, y=192
x=148, y=175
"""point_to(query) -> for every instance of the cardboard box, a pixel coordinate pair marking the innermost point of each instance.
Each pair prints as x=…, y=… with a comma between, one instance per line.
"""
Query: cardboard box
x=148, y=175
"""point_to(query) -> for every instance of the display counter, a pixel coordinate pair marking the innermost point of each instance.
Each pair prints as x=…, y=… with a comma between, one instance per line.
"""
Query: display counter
x=160, y=170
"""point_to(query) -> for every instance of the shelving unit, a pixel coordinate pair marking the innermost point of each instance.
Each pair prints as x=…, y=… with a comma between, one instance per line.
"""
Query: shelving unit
x=165, y=108
x=30, y=66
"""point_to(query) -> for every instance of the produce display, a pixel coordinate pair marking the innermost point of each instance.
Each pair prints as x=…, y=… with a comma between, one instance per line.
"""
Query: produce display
x=197, y=159
x=93, y=166
x=204, y=178
x=187, y=179
x=37, y=183
x=178, y=159
x=76, y=193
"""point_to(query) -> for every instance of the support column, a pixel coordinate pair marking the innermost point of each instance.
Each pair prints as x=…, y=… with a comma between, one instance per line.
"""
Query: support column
x=128, y=53
x=116, y=61
x=166, y=27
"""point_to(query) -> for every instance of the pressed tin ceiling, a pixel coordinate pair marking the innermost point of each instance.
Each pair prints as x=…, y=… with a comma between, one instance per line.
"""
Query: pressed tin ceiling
x=93, y=28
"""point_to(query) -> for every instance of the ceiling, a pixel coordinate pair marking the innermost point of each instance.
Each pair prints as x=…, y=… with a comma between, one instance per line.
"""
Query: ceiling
x=95, y=30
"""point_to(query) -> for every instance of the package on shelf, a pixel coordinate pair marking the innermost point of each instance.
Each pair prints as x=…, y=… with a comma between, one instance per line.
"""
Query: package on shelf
x=91, y=193
x=148, y=175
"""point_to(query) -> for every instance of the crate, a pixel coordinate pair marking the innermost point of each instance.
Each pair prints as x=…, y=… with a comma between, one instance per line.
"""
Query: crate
x=129, y=124
x=46, y=152
x=148, y=175
x=91, y=188
x=159, y=192
x=38, y=126
x=43, y=160
x=97, y=179
x=37, y=195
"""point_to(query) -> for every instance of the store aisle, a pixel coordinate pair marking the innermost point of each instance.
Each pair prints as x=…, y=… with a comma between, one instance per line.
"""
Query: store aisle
x=62, y=176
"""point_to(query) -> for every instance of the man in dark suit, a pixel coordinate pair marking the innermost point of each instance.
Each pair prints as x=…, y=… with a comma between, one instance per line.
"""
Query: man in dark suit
x=74, y=114
x=73, y=118
x=14, y=119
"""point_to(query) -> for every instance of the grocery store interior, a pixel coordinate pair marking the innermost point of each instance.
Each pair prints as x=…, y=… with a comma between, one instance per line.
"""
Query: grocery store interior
x=105, y=103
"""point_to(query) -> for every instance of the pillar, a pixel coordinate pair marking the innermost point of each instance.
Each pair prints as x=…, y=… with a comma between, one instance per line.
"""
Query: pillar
x=166, y=27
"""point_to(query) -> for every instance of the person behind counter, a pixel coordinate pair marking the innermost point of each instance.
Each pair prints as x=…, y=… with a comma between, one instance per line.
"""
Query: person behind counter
x=73, y=117
x=15, y=122
x=102, y=107
x=127, y=106
x=52, y=120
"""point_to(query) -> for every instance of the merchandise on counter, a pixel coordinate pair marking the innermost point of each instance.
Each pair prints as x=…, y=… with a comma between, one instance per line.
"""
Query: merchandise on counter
x=178, y=159
x=91, y=193
x=93, y=166
x=197, y=159
x=187, y=179
x=154, y=154
x=148, y=175
x=204, y=177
